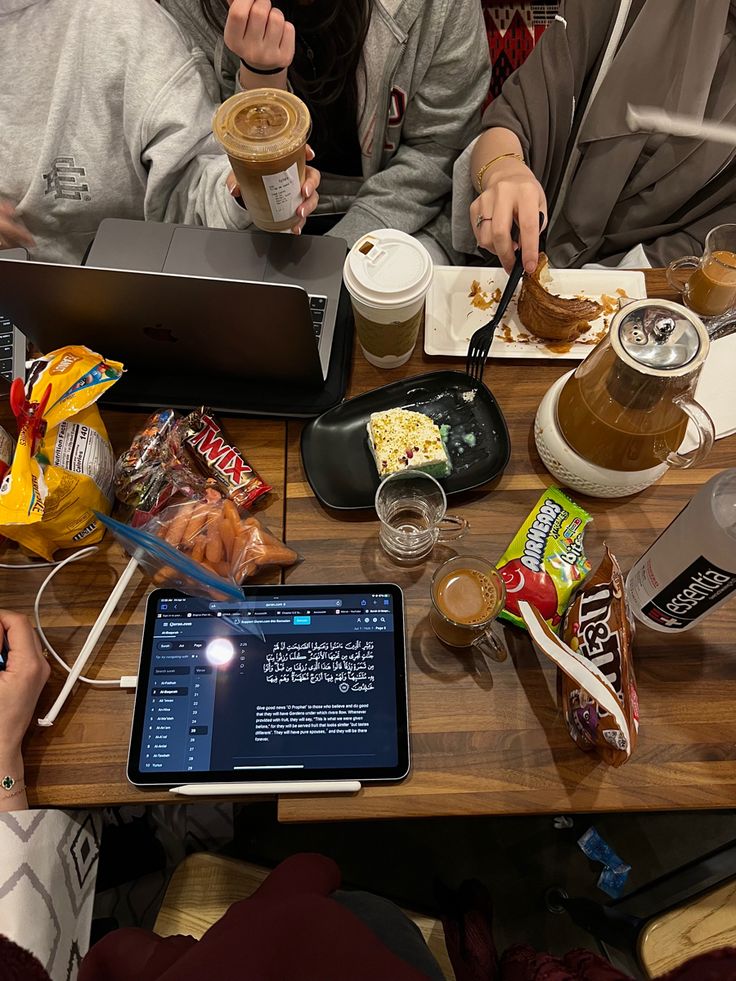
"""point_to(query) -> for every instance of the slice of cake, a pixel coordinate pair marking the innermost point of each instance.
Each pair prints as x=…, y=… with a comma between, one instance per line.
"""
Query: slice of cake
x=405, y=440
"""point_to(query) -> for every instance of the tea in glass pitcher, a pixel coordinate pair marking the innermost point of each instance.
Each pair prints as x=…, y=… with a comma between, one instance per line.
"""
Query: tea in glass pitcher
x=627, y=406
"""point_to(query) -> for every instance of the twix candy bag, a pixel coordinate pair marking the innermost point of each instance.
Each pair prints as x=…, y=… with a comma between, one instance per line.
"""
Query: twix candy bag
x=199, y=455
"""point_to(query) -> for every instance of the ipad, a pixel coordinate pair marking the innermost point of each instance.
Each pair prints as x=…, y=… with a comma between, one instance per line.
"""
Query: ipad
x=291, y=682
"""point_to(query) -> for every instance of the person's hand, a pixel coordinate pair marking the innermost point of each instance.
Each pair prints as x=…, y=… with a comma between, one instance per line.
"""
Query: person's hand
x=13, y=233
x=312, y=178
x=511, y=194
x=21, y=682
x=259, y=34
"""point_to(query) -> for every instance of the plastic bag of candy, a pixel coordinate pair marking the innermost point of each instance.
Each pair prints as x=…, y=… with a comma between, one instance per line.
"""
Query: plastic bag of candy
x=204, y=547
x=141, y=481
x=61, y=471
x=598, y=627
x=188, y=456
x=597, y=687
x=7, y=447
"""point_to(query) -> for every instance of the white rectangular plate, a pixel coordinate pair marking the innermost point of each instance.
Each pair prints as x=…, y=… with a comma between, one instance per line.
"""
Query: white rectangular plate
x=452, y=317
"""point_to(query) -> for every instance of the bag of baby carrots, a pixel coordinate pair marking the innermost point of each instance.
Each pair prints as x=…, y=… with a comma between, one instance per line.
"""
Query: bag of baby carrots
x=203, y=547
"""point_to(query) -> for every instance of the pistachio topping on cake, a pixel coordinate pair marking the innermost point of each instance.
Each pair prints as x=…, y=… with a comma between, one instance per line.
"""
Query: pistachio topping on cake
x=405, y=440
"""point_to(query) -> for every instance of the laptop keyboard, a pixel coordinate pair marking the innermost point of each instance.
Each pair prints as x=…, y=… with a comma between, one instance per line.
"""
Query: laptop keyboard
x=6, y=348
x=317, y=308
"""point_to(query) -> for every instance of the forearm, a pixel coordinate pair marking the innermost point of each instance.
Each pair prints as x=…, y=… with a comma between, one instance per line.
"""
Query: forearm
x=253, y=80
x=198, y=195
x=14, y=798
x=407, y=194
x=493, y=143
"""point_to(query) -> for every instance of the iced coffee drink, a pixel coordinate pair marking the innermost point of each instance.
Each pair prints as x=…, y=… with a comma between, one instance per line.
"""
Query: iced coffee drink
x=264, y=133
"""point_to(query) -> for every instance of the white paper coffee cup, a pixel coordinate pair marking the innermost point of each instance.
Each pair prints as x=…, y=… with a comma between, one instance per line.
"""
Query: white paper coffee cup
x=388, y=274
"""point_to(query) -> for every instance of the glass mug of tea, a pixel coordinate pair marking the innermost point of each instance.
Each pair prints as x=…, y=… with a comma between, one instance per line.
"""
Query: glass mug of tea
x=467, y=596
x=412, y=509
x=710, y=288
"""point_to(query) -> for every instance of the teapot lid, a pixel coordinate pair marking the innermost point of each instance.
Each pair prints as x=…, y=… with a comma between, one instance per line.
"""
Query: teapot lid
x=660, y=337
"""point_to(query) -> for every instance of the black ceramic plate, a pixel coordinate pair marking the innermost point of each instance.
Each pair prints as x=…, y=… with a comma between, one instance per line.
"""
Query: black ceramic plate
x=338, y=460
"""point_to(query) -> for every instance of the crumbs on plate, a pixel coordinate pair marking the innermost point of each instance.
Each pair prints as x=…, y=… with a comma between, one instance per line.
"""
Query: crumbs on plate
x=480, y=298
x=610, y=306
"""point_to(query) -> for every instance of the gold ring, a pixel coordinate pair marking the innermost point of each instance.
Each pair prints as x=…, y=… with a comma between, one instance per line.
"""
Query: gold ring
x=480, y=219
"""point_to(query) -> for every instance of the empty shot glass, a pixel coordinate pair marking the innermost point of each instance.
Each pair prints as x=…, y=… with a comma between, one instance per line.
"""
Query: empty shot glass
x=412, y=509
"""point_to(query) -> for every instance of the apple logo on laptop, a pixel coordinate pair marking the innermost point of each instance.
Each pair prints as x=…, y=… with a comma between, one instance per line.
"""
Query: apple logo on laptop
x=159, y=333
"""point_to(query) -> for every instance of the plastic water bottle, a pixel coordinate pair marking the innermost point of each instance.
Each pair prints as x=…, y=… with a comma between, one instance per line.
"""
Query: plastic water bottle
x=691, y=568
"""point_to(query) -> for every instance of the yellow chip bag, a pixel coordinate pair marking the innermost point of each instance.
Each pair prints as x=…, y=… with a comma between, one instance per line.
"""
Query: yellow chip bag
x=63, y=464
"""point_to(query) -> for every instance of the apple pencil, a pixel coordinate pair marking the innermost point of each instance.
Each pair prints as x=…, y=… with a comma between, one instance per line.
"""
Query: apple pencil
x=274, y=787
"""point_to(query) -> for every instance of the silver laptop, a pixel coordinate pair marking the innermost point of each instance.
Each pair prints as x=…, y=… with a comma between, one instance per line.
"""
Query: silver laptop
x=12, y=342
x=179, y=305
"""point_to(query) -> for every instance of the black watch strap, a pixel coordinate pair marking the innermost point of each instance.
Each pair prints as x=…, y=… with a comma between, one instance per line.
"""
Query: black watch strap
x=261, y=71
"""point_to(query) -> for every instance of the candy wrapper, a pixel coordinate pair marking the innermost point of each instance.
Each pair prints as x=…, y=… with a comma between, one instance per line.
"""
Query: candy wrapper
x=62, y=467
x=206, y=548
x=545, y=563
x=6, y=455
x=598, y=627
x=597, y=690
x=141, y=481
x=187, y=456
x=6, y=452
x=198, y=456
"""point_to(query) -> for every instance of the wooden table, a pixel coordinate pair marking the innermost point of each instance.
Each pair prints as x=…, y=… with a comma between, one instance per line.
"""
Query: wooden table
x=481, y=743
x=81, y=759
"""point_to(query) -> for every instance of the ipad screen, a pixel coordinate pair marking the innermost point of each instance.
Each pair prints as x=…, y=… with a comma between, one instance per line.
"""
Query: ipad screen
x=292, y=682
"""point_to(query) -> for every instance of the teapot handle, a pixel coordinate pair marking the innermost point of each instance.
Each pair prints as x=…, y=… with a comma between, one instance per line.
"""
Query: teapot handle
x=705, y=432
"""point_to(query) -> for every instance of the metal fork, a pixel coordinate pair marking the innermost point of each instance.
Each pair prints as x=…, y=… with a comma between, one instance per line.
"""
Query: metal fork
x=480, y=342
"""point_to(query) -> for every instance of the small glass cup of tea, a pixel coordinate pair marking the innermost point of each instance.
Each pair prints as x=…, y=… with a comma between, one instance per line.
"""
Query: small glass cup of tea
x=412, y=509
x=467, y=596
x=709, y=287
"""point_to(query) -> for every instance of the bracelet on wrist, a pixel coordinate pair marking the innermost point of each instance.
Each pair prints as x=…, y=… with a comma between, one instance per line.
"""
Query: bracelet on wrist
x=482, y=172
x=261, y=71
x=10, y=787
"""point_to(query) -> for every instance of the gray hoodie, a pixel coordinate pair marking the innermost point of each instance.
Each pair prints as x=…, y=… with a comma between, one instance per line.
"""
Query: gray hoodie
x=105, y=111
x=419, y=99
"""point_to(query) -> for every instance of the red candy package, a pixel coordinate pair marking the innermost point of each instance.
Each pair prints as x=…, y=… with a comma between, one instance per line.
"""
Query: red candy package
x=197, y=455
x=545, y=562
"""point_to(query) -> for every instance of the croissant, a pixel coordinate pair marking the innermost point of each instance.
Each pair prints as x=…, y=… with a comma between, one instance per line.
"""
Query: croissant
x=552, y=317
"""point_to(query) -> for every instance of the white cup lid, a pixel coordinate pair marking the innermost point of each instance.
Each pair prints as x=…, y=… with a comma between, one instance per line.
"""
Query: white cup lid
x=387, y=267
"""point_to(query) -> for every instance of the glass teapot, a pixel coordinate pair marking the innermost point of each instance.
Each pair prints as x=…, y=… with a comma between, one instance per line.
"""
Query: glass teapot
x=627, y=406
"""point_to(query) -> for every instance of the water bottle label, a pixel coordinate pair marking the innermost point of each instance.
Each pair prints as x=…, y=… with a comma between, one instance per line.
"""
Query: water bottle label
x=688, y=597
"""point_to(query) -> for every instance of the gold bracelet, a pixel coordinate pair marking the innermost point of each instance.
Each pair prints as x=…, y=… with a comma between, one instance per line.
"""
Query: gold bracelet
x=7, y=784
x=481, y=173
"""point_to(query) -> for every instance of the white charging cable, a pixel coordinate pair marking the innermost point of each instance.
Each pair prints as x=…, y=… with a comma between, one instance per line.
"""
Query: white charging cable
x=29, y=565
x=125, y=681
